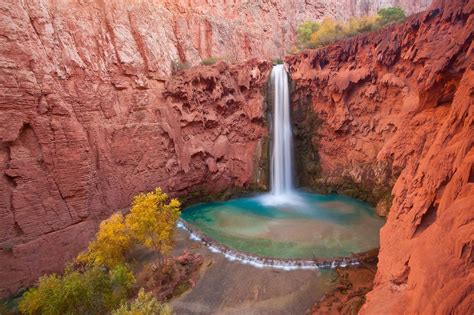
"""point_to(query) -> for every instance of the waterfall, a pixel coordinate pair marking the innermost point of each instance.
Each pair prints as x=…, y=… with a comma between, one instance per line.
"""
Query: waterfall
x=282, y=155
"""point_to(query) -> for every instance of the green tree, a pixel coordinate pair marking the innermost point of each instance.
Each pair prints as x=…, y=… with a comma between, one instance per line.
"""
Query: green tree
x=329, y=32
x=390, y=15
x=315, y=34
x=360, y=25
x=110, y=244
x=304, y=32
x=121, y=282
x=95, y=291
x=144, y=304
x=152, y=221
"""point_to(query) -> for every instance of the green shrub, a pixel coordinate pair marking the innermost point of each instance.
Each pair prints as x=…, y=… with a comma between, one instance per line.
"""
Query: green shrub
x=390, y=15
x=95, y=291
x=315, y=34
x=177, y=65
x=304, y=32
x=101, y=281
x=277, y=61
x=209, y=61
x=329, y=32
x=144, y=304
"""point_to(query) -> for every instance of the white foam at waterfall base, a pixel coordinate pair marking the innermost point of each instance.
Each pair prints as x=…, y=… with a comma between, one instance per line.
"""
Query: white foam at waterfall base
x=289, y=198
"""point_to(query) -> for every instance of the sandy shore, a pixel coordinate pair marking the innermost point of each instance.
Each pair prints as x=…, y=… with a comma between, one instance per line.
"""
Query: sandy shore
x=226, y=287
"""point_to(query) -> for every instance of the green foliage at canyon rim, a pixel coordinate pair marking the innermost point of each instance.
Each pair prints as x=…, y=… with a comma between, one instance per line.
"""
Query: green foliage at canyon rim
x=210, y=61
x=313, y=34
x=178, y=65
x=277, y=61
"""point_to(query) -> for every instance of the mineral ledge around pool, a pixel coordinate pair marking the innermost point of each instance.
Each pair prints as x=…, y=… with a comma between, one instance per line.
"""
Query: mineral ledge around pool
x=267, y=262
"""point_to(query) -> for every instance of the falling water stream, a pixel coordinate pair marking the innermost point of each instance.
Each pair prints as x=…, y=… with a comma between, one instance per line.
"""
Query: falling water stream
x=285, y=228
x=282, y=155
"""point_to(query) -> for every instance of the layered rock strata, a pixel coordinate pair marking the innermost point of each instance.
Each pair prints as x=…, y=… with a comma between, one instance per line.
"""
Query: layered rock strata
x=153, y=36
x=84, y=126
x=396, y=108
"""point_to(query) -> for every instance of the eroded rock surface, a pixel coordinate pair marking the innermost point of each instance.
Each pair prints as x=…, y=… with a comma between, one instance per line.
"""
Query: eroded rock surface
x=85, y=125
x=88, y=116
x=396, y=107
x=150, y=36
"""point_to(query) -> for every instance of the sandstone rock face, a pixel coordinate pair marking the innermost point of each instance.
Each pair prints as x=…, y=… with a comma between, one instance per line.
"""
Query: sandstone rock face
x=148, y=35
x=397, y=107
x=86, y=123
x=89, y=117
x=367, y=7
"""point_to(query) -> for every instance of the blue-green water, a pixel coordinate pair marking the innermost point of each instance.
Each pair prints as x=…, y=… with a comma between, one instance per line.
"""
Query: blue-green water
x=298, y=225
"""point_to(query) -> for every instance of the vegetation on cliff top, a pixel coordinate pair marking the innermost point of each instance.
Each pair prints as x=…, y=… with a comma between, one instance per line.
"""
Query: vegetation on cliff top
x=312, y=34
x=100, y=280
x=210, y=61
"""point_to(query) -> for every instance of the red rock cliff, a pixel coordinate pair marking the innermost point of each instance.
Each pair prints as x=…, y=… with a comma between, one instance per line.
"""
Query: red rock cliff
x=89, y=117
x=144, y=35
x=397, y=108
x=85, y=124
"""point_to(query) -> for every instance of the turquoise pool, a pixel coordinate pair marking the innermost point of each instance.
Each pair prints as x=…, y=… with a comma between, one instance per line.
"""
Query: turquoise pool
x=298, y=225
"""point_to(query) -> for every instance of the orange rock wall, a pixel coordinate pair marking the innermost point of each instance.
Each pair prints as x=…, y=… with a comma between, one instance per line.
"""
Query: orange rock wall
x=89, y=117
x=148, y=35
x=399, y=104
x=85, y=124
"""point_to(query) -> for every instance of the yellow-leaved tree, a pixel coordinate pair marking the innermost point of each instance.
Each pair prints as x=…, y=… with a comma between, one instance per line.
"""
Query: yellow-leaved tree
x=144, y=304
x=110, y=245
x=152, y=220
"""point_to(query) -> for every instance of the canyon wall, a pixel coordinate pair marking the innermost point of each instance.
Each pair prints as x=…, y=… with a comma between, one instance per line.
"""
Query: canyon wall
x=89, y=116
x=368, y=7
x=85, y=124
x=395, y=109
x=150, y=36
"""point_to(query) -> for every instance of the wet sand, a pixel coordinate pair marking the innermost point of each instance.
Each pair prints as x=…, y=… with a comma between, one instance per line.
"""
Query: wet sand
x=226, y=287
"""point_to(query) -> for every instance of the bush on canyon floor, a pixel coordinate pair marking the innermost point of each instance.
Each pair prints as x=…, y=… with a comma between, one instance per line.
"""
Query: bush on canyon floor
x=171, y=278
x=304, y=32
x=110, y=245
x=144, y=304
x=315, y=34
x=152, y=221
x=102, y=281
x=94, y=291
